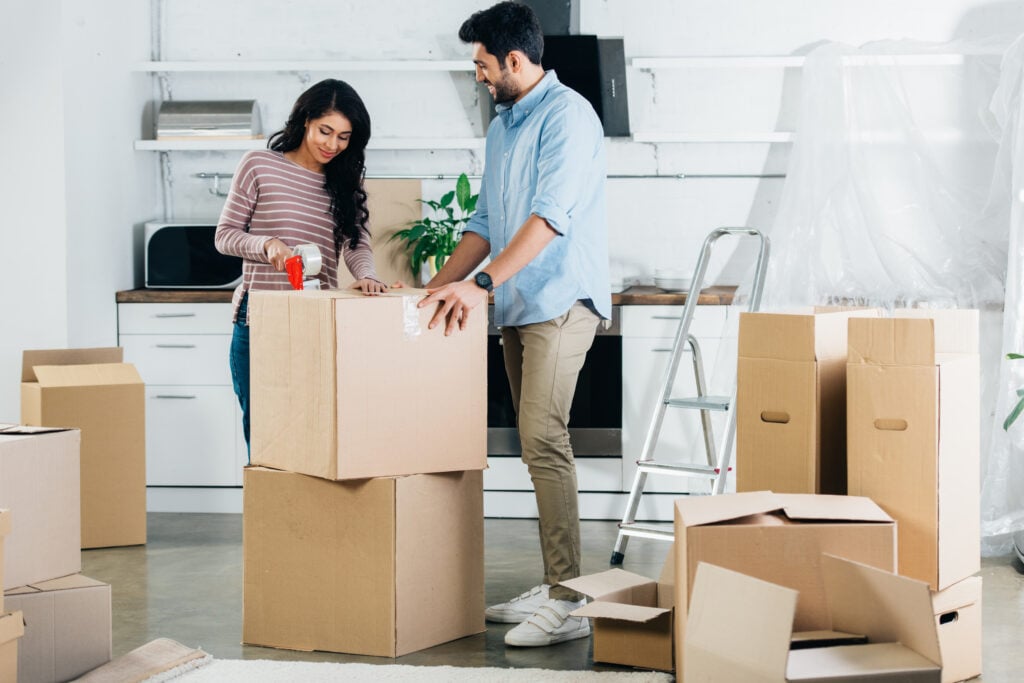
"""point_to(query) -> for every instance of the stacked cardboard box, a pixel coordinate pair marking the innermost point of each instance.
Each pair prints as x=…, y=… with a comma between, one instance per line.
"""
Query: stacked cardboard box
x=66, y=622
x=914, y=441
x=94, y=391
x=11, y=625
x=363, y=507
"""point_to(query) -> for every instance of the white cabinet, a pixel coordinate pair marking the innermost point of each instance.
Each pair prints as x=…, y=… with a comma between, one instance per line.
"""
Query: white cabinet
x=647, y=336
x=193, y=423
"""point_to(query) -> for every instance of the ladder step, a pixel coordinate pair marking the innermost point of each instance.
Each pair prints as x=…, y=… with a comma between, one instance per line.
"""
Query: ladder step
x=678, y=469
x=700, y=402
x=660, y=533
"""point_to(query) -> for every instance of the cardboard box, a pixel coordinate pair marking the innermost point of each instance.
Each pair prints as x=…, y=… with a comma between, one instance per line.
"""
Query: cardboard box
x=914, y=436
x=11, y=629
x=382, y=566
x=67, y=628
x=778, y=538
x=329, y=369
x=791, y=401
x=39, y=485
x=958, y=619
x=631, y=615
x=91, y=389
x=5, y=530
x=740, y=628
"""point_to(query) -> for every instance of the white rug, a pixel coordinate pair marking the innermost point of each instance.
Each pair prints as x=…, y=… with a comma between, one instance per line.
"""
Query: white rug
x=269, y=671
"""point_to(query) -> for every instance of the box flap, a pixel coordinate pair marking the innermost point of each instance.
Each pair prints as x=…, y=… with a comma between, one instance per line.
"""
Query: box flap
x=613, y=583
x=11, y=626
x=739, y=627
x=64, y=583
x=782, y=336
x=26, y=430
x=87, y=375
x=21, y=590
x=802, y=506
x=667, y=580
x=885, y=607
x=30, y=359
x=956, y=330
x=698, y=510
x=602, y=609
x=892, y=341
x=5, y=523
x=886, y=661
x=962, y=594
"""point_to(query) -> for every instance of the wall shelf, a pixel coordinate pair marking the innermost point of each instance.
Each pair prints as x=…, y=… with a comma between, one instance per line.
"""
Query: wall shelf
x=797, y=61
x=244, y=145
x=739, y=137
x=310, y=65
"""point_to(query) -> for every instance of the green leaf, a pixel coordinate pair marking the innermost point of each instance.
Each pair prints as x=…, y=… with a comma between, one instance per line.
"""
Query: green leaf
x=471, y=204
x=416, y=232
x=1014, y=414
x=1014, y=356
x=462, y=191
x=446, y=199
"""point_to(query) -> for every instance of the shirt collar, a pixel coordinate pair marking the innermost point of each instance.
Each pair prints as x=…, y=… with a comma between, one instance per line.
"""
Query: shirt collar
x=514, y=114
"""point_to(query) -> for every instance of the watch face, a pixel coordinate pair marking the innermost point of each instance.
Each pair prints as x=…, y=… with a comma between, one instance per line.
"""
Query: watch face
x=484, y=280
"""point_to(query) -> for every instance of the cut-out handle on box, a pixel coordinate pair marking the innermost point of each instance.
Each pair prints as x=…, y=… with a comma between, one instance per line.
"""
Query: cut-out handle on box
x=775, y=416
x=891, y=425
x=948, y=617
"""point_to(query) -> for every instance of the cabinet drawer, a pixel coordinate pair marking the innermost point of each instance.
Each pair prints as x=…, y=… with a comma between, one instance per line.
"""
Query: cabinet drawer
x=180, y=358
x=663, y=321
x=174, y=318
x=190, y=436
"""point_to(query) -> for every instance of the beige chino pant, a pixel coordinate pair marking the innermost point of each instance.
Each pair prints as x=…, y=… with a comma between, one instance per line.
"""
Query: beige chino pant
x=543, y=361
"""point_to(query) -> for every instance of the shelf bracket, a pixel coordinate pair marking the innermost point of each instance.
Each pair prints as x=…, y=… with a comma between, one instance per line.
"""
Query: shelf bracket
x=214, y=188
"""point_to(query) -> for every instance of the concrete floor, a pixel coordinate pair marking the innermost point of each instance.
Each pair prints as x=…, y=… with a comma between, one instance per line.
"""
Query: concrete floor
x=186, y=584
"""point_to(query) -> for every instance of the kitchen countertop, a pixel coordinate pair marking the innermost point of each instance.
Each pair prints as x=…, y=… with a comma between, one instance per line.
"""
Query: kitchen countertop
x=634, y=296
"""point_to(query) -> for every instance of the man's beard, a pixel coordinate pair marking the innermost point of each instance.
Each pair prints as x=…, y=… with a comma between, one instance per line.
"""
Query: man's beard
x=504, y=90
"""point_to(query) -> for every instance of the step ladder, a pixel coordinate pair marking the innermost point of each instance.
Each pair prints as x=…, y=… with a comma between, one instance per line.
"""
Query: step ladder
x=717, y=461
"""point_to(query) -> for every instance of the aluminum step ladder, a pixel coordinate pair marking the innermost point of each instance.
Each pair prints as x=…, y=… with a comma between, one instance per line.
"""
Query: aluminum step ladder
x=717, y=461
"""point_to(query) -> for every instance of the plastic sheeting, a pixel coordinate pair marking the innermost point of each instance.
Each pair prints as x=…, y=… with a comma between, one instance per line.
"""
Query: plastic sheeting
x=901, y=192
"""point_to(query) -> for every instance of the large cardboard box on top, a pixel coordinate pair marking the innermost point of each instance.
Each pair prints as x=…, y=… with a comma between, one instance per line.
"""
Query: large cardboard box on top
x=632, y=616
x=791, y=401
x=347, y=386
x=39, y=487
x=67, y=628
x=382, y=566
x=914, y=436
x=778, y=538
x=94, y=391
x=740, y=629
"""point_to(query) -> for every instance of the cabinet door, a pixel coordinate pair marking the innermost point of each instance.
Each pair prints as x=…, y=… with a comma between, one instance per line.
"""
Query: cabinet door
x=190, y=436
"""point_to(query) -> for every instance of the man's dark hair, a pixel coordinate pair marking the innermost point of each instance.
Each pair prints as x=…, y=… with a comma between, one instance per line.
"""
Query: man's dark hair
x=503, y=28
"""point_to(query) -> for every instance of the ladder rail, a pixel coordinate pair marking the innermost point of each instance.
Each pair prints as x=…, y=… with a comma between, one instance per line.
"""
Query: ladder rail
x=718, y=459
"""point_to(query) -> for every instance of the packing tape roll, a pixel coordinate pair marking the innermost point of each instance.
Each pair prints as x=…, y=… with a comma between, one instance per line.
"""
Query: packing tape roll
x=312, y=261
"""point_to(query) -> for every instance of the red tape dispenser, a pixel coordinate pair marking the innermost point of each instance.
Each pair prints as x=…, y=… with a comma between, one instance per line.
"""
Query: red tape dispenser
x=304, y=263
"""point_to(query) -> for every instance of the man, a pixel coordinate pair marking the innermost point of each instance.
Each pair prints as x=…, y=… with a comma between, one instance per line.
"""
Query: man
x=541, y=219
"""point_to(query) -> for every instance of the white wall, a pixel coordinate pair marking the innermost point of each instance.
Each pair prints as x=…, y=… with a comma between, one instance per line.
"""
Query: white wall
x=33, y=274
x=74, y=191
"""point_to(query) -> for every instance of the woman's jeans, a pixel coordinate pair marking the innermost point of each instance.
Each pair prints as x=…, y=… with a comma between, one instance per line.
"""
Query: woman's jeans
x=239, y=359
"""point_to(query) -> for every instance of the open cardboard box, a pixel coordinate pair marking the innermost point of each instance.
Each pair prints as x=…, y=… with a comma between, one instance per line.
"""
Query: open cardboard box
x=632, y=616
x=778, y=538
x=329, y=367
x=914, y=435
x=893, y=612
x=96, y=392
x=791, y=400
x=958, y=618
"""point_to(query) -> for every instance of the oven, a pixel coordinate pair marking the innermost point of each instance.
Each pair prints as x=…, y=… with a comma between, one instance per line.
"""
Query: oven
x=595, y=420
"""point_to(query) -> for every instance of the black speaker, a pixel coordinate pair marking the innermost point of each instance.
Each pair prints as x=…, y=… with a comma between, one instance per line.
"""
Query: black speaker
x=595, y=68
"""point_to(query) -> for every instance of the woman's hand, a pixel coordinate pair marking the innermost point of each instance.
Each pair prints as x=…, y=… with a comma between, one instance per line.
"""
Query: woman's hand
x=277, y=253
x=369, y=286
x=398, y=284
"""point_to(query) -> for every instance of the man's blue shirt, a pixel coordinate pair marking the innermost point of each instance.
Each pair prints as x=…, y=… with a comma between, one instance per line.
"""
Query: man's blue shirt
x=545, y=156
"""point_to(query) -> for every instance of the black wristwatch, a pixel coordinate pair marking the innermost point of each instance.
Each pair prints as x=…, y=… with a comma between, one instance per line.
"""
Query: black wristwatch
x=483, y=280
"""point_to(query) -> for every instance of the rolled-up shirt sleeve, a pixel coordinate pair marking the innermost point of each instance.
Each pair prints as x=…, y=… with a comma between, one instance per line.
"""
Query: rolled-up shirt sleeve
x=479, y=222
x=563, y=157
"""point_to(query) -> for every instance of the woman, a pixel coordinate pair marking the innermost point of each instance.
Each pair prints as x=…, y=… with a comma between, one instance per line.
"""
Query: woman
x=306, y=188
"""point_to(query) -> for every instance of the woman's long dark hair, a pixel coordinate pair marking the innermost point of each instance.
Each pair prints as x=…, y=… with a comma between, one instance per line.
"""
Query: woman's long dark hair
x=344, y=173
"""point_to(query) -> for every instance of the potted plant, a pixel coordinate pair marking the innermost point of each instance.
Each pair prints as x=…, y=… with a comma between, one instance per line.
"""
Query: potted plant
x=432, y=239
x=1017, y=409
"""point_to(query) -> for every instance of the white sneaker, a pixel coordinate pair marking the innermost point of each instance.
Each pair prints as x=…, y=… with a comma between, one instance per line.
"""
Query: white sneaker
x=517, y=609
x=550, y=624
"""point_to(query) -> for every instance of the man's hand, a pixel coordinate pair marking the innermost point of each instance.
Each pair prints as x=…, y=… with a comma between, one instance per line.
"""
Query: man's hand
x=457, y=300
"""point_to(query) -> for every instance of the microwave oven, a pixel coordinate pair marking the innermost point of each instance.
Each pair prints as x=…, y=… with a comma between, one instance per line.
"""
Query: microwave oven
x=183, y=256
